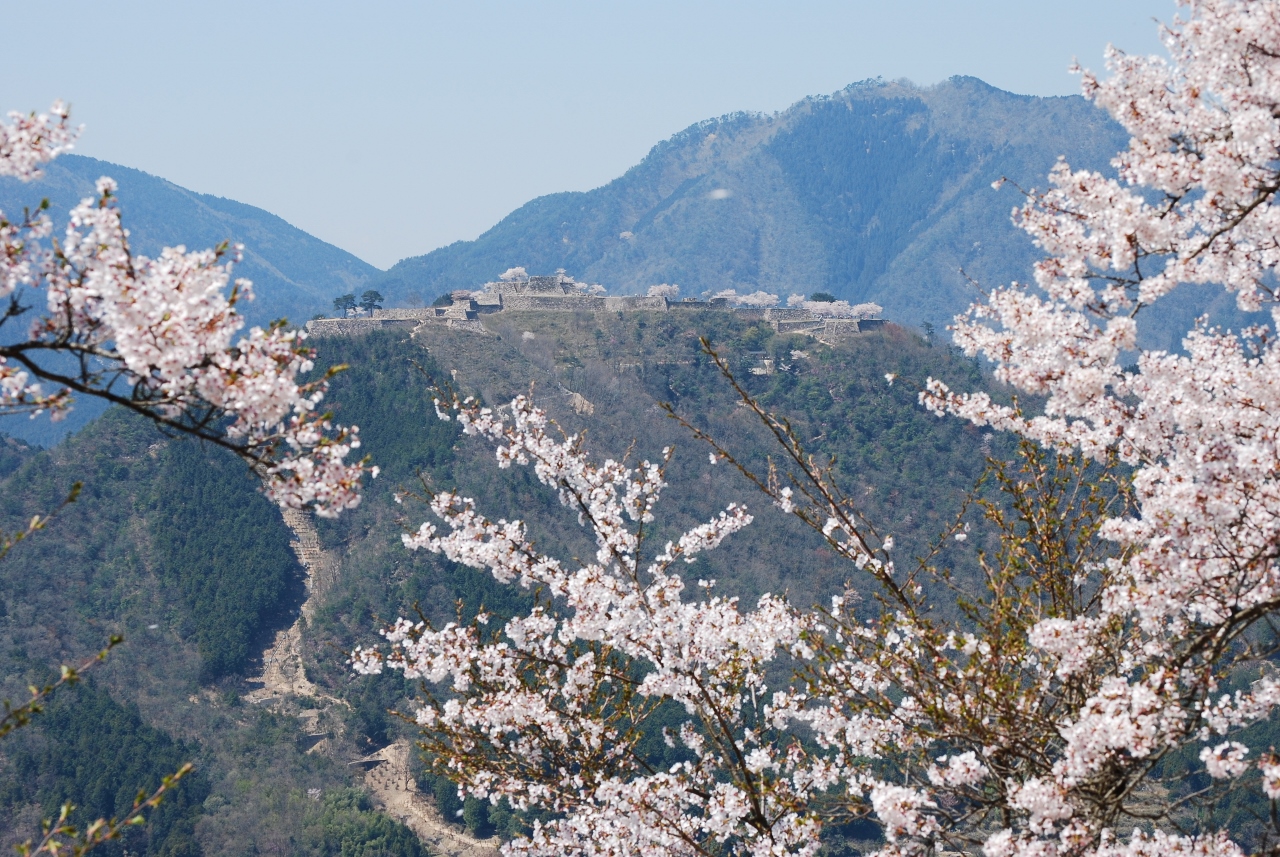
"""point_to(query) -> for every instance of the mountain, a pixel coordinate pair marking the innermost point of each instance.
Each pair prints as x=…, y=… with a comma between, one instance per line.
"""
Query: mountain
x=170, y=545
x=295, y=275
x=880, y=192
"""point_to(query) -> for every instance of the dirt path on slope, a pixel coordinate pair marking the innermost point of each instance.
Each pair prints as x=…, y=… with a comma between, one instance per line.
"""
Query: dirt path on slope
x=387, y=775
x=282, y=671
x=395, y=792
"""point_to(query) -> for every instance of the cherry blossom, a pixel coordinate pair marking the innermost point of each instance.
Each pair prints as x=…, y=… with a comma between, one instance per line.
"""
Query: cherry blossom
x=159, y=336
x=758, y=298
x=1134, y=574
x=836, y=309
x=567, y=685
x=1192, y=201
x=30, y=141
x=670, y=291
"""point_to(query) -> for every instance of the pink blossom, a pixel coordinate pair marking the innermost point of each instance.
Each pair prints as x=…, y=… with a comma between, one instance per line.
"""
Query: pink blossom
x=167, y=328
x=1226, y=760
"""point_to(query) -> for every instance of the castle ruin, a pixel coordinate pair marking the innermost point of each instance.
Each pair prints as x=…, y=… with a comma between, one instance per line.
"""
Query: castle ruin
x=561, y=293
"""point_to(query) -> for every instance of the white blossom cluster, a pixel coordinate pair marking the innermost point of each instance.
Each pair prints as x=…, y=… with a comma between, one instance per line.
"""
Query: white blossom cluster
x=29, y=141
x=160, y=336
x=757, y=299
x=1032, y=728
x=565, y=685
x=1193, y=202
x=836, y=309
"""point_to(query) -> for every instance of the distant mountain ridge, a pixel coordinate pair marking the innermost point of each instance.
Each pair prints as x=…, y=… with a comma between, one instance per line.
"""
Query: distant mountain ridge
x=880, y=192
x=295, y=274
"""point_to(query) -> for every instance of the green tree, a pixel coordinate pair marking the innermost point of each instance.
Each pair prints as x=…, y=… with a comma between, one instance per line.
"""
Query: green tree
x=371, y=300
x=345, y=304
x=94, y=755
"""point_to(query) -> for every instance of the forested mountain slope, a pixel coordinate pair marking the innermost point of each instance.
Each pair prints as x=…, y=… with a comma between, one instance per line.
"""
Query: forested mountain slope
x=880, y=192
x=171, y=546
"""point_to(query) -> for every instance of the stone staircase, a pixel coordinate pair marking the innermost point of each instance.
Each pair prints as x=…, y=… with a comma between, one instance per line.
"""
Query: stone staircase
x=282, y=670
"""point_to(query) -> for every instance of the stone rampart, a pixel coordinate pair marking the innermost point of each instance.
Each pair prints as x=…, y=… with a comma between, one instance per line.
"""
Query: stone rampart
x=634, y=303
x=797, y=325
x=714, y=303
x=841, y=327
x=779, y=313
x=550, y=303
x=353, y=326
x=407, y=312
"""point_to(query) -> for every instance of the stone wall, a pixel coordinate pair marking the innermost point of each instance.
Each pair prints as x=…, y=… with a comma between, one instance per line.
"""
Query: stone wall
x=779, y=313
x=798, y=325
x=549, y=303
x=841, y=327
x=353, y=326
x=633, y=303
x=408, y=312
x=714, y=303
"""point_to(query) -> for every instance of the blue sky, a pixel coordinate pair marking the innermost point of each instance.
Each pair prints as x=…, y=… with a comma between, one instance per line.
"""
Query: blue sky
x=390, y=129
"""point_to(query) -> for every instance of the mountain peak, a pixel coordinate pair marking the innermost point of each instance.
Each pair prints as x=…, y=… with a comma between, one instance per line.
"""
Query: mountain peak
x=878, y=192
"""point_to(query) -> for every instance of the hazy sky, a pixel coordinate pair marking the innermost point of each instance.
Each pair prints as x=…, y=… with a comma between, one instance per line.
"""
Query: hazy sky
x=391, y=129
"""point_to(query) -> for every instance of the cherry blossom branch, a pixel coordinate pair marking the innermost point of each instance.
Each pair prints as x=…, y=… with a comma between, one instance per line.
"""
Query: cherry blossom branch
x=161, y=338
